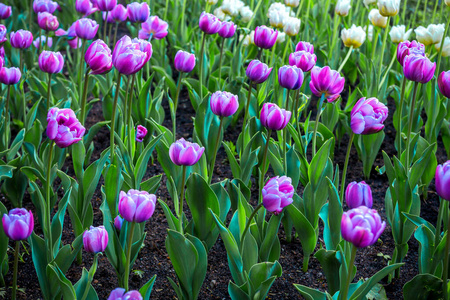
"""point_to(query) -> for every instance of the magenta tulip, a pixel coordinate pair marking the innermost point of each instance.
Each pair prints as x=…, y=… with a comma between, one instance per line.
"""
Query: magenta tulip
x=224, y=104
x=119, y=294
x=118, y=222
x=444, y=83
x=85, y=7
x=144, y=46
x=21, y=39
x=127, y=57
x=257, y=71
x=119, y=13
x=154, y=27
x=86, y=29
x=442, y=180
x=418, y=68
x=368, y=115
x=303, y=60
x=362, y=226
x=184, y=61
x=10, y=76
x=227, y=29
x=63, y=127
x=110, y=19
x=51, y=62
x=106, y=5
x=5, y=11
x=327, y=82
x=45, y=6
x=273, y=117
x=138, y=12
x=141, y=132
x=95, y=239
x=184, y=153
x=277, y=194
x=290, y=77
x=406, y=48
x=357, y=194
x=74, y=43
x=98, y=57
x=265, y=37
x=305, y=46
x=18, y=224
x=3, y=37
x=37, y=42
x=209, y=23
x=136, y=206
x=47, y=21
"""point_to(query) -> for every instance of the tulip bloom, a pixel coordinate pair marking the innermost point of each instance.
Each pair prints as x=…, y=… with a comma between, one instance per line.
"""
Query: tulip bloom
x=106, y=5
x=327, y=82
x=368, y=115
x=290, y=77
x=144, y=46
x=362, y=226
x=353, y=37
x=5, y=11
x=433, y=34
x=273, y=117
x=95, y=239
x=154, y=27
x=119, y=13
x=136, y=206
x=257, y=71
x=118, y=222
x=41, y=40
x=44, y=6
x=406, y=48
x=292, y=3
x=389, y=8
x=227, y=29
x=119, y=294
x=342, y=8
x=184, y=153
x=304, y=46
x=444, y=83
x=442, y=180
x=224, y=104
x=277, y=194
x=18, y=224
x=51, y=62
x=184, y=61
x=85, y=7
x=63, y=127
x=357, y=194
x=127, y=57
x=377, y=19
x=98, y=57
x=418, y=68
x=21, y=39
x=47, y=21
x=209, y=23
x=86, y=29
x=138, y=12
x=291, y=26
x=265, y=37
x=3, y=37
x=141, y=132
x=10, y=76
x=303, y=60
x=399, y=34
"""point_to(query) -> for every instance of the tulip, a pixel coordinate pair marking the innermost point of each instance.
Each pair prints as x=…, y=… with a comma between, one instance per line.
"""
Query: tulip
x=141, y=132
x=98, y=57
x=327, y=82
x=10, y=76
x=106, y=16
x=444, y=83
x=273, y=117
x=18, y=224
x=21, y=39
x=231, y=7
x=277, y=18
x=227, y=29
x=303, y=60
x=145, y=47
x=209, y=23
x=138, y=12
x=291, y=26
x=277, y=194
x=37, y=42
x=184, y=61
x=95, y=239
x=70, y=33
x=399, y=34
x=246, y=14
x=106, y=5
x=342, y=8
x=127, y=57
x=3, y=37
x=442, y=180
x=406, y=48
x=431, y=35
x=184, y=153
x=281, y=38
x=154, y=27
x=51, y=62
x=45, y=6
x=353, y=37
x=292, y=3
x=136, y=206
x=377, y=19
x=118, y=222
x=257, y=71
x=119, y=13
x=224, y=104
x=47, y=21
x=265, y=37
x=362, y=226
x=418, y=68
x=357, y=194
x=249, y=39
x=290, y=77
x=276, y=6
x=86, y=29
x=389, y=8
x=368, y=115
x=85, y=7
x=5, y=11
x=218, y=12
x=63, y=127
x=304, y=46
x=119, y=294
x=445, y=48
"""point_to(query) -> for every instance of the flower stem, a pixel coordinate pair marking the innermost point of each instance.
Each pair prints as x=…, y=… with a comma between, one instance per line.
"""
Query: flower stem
x=115, y=34
x=216, y=147
x=16, y=264
x=201, y=66
x=445, y=275
x=411, y=116
x=128, y=262
x=247, y=226
x=400, y=113
x=375, y=42
x=105, y=24
x=335, y=28
x=24, y=101
x=129, y=118
x=249, y=97
x=220, y=60
x=8, y=98
x=180, y=209
x=345, y=59
x=83, y=45
x=113, y=117
x=263, y=170
x=434, y=12
x=441, y=49
x=316, y=125
x=344, y=171
x=443, y=206
x=90, y=277
x=288, y=45
x=344, y=293
x=383, y=46
x=49, y=203
x=49, y=91
x=83, y=98
x=285, y=136
x=175, y=107
x=394, y=57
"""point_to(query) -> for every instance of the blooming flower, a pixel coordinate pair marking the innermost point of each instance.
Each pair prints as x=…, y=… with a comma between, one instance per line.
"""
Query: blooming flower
x=51, y=62
x=136, y=206
x=41, y=40
x=368, y=115
x=257, y=71
x=431, y=35
x=305, y=46
x=442, y=180
x=291, y=26
x=445, y=48
x=18, y=224
x=265, y=37
x=224, y=104
x=63, y=127
x=209, y=23
x=127, y=56
x=184, y=153
x=290, y=77
x=418, y=68
x=141, y=132
x=342, y=8
x=444, y=83
x=353, y=37
x=106, y=5
x=357, y=194
x=95, y=239
x=406, y=48
x=153, y=26
x=138, y=12
x=388, y=8
x=5, y=11
x=45, y=6
x=377, y=19
x=399, y=34
x=327, y=82
x=119, y=13
x=303, y=60
x=86, y=29
x=227, y=29
x=273, y=117
x=277, y=194
x=184, y=61
x=119, y=294
x=98, y=57
x=47, y=21
x=10, y=76
x=21, y=39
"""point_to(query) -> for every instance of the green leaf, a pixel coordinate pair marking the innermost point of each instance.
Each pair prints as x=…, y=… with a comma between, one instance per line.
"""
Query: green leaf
x=423, y=287
x=318, y=164
x=330, y=265
x=146, y=289
x=310, y=293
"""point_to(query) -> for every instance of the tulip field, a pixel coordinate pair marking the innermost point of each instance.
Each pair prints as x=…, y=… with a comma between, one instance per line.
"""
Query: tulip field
x=224, y=149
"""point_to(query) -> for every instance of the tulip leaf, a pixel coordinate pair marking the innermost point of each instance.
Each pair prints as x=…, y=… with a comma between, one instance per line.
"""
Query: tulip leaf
x=141, y=164
x=146, y=289
x=310, y=293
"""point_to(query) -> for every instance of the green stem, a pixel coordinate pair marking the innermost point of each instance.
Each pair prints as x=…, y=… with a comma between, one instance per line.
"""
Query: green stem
x=24, y=101
x=90, y=277
x=434, y=12
x=166, y=9
x=273, y=54
x=404, y=10
x=49, y=91
x=83, y=45
x=128, y=261
x=8, y=99
x=383, y=46
x=333, y=39
x=16, y=264
x=115, y=34
x=201, y=66
x=441, y=48
x=175, y=107
x=263, y=170
x=216, y=147
x=220, y=60
x=105, y=25
x=109, y=33
x=285, y=137
x=83, y=98
x=411, y=117
x=445, y=275
x=49, y=203
x=375, y=42
x=345, y=59
x=349, y=273
x=180, y=209
x=394, y=57
x=46, y=40
x=125, y=103
x=425, y=12
x=316, y=125
x=442, y=208
x=288, y=45
x=129, y=117
x=413, y=20
x=400, y=113
x=247, y=226
x=247, y=106
x=113, y=117
x=344, y=171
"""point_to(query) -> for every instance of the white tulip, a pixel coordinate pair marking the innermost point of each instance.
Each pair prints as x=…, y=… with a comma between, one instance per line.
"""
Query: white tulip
x=431, y=35
x=246, y=14
x=291, y=26
x=277, y=18
x=388, y=8
x=231, y=7
x=249, y=39
x=218, y=12
x=292, y=3
x=354, y=36
x=281, y=37
x=446, y=48
x=279, y=7
x=368, y=2
x=342, y=8
x=399, y=34
x=377, y=19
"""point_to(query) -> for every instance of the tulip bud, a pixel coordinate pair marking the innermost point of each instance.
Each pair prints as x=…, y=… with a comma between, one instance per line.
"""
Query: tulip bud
x=119, y=294
x=211, y=2
x=127, y=57
x=118, y=222
x=184, y=61
x=18, y=224
x=399, y=34
x=277, y=18
x=41, y=41
x=136, y=206
x=277, y=194
x=47, y=21
x=63, y=127
x=442, y=180
x=21, y=39
x=290, y=77
x=106, y=16
x=98, y=57
x=291, y=26
x=377, y=19
x=265, y=37
x=431, y=35
x=45, y=6
x=354, y=36
x=249, y=39
x=95, y=239
x=326, y=81
x=342, y=8
x=51, y=62
x=362, y=226
x=231, y=7
x=445, y=47
x=218, y=12
x=444, y=83
x=141, y=132
x=273, y=117
x=224, y=104
x=86, y=29
x=303, y=60
x=85, y=7
x=257, y=71
x=209, y=23
x=184, y=153
x=388, y=8
x=227, y=29
x=304, y=46
x=10, y=76
x=368, y=115
x=246, y=14
x=5, y=11
x=418, y=68
x=357, y=194
x=406, y=48
x=119, y=13
x=138, y=12
x=145, y=47
x=292, y=3
x=106, y=5
x=155, y=27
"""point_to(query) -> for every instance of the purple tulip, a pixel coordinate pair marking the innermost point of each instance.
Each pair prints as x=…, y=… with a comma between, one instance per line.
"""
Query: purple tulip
x=303, y=60
x=45, y=6
x=304, y=46
x=98, y=57
x=209, y=23
x=362, y=226
x=406, y=48
x=144, y=46
x=227, y=29
x=326, y=81
x=63, y=127
x=5, y=11
x=154, y=27
x=127, y=57
x=47, y=21
x=10, y=76
x=3, y=37
x=118, y=222
x=442, y=180
x=273, y=117
x=70, y=33
x=119, y=13
x=95, y=239
x=51, y=62
x=18, y=224
x=257, y=71
x=184, y=61
x=37, y=42
x=224, y=104
x=85, y=7
x=141, y=132
x=136, y=206
x=106, y=5
x=138, y=12
x=444, y=83
x=21, y=39
x=368, y=115
x=110, y=19
x=265, y=37
x=2, y=60
x=86, y=29
x=357, y=194
x=74, y=43
x=418, y=68
x=119, y=294
x=184, y=153
x=290, y=77
x=277, y=194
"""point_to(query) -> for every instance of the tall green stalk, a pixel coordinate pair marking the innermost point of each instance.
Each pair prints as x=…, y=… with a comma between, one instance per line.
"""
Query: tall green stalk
x=345, y=59
x=83, y=45
x=84, y=96
x=175, y=107
x=247, y=106
x=343, y=294
x=128, y=257
x=263, y=169
x=220, y=59
x=49, y=91
x=247, y=225
x=383, y=46
x=445, y=274
x=344, y=171
x=180, y=208
x=316, y=125
x=411, y=120
x=16, y=264
x=216, y=147
x=113, y=117
x=201, y=65
x=48, y=230
x=400, y=113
